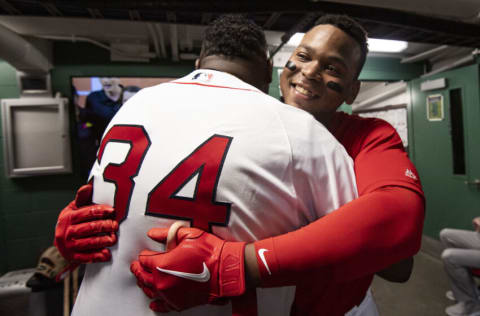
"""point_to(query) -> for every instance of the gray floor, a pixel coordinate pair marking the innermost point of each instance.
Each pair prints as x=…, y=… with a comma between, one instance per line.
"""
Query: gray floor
x=422, y=295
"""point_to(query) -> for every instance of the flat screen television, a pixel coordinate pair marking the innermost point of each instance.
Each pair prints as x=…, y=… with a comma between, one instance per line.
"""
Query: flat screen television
x=96, y=100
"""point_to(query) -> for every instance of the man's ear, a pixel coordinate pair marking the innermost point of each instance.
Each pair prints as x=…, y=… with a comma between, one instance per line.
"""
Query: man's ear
x=269, y=70
x=197, y=63
x=352, y=92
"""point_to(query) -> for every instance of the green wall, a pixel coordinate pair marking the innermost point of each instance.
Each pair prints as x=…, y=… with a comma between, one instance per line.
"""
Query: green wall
x=29, y=206
x=389, y=69
x=451, y=202
x=8, y=89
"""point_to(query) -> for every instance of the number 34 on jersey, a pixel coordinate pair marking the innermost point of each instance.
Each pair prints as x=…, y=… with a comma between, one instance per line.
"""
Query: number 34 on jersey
x=204, y=162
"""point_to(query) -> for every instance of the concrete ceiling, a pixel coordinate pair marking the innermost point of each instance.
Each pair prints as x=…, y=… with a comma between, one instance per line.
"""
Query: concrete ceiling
x=428, y=21
x=174, y=28
x=461, y=10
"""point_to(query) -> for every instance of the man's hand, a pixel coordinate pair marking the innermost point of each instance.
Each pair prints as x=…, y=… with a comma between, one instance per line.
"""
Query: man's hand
x=201, y=269
x=476, y=224
x=398, y=272
x=84, y=230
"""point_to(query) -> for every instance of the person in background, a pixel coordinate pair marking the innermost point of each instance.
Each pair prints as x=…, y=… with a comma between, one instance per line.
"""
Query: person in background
x=94, y=116
x=85, y=140
x=101, y=106
x=462, y=254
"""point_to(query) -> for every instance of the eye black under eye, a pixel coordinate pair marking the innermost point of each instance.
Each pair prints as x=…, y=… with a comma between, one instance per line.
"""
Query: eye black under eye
x=332, y=68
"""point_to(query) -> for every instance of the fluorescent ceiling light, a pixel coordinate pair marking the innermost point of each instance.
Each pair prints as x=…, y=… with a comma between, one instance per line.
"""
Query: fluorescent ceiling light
x=295, y=39
x=386, y=46
x=374, y=44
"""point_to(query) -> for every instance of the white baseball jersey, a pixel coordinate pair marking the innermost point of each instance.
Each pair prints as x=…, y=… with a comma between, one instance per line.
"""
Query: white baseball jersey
x=366, y=308
x=212, y=150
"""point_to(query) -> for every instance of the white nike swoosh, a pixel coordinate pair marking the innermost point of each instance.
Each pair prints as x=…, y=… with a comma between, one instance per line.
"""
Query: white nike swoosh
x=262, y=256
x=197, y=277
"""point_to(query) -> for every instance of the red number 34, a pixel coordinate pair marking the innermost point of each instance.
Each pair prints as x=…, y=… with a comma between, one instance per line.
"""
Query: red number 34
x=205, y=163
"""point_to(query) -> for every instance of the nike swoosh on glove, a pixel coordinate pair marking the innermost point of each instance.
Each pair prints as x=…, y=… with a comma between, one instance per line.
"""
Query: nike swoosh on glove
x=201, y=269
x=84, y=230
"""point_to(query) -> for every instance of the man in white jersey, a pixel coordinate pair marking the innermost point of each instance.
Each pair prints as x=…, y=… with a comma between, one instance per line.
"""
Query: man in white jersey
x=210, y=140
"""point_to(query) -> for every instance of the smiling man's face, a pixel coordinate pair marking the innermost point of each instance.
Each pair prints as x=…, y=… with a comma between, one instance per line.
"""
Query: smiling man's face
x=327, y=62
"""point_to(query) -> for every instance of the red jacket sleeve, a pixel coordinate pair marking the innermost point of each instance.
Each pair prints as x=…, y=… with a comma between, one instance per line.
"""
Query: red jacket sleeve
x=379, y=158
x=361, y=238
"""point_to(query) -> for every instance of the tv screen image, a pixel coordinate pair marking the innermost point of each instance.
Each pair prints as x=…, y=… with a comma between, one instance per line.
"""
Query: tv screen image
x=96, y=100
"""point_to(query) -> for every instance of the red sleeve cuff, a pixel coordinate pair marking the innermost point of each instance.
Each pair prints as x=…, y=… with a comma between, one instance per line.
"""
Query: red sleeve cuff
x=267, y=262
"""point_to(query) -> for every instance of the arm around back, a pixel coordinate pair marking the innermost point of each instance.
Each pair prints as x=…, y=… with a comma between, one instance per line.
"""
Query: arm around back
x=360, y=238
x=399, y=272
x=380, y=228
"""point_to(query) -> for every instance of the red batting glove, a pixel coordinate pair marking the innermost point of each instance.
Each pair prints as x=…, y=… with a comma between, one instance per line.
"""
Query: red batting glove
x=84, y=230
x=201, y=269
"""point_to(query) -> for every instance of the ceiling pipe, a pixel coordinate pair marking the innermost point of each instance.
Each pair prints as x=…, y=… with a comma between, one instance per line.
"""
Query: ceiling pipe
x=161, y=39
x=424, y=55
x=465, y=60
x=174, y=41
x=381, y=96
x=153, y=34
x=74, y=39
x=22, y=54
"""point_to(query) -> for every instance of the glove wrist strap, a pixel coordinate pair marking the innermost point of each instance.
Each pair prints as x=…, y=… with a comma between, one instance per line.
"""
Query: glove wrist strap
x=231, y=277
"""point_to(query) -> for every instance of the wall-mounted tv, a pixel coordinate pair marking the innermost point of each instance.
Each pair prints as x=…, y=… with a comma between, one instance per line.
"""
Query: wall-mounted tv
x=96, y=100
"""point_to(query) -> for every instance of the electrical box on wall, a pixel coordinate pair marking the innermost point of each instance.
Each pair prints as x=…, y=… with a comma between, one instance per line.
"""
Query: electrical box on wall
x=36, y=136
x=436, y=84
x=34, y=84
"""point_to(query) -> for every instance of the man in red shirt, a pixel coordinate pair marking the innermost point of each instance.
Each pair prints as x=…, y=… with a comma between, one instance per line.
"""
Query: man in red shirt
x=340, y=252
x=331, y=261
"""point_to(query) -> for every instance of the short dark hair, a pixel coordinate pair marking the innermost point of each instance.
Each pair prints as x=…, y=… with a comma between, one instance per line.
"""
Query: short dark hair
x=352, y=28
x=234, y=35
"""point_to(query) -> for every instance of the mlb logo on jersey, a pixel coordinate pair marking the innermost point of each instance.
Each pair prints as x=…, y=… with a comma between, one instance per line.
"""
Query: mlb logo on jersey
x=203, y=76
